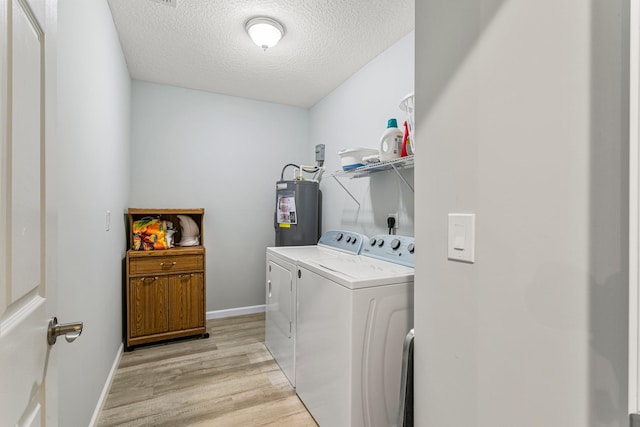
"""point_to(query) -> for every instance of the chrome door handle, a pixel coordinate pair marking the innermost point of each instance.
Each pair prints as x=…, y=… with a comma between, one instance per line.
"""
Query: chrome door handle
x=71, y=331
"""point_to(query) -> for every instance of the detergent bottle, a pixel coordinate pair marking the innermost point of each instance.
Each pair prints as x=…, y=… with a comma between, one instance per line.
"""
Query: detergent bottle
x=391, y=141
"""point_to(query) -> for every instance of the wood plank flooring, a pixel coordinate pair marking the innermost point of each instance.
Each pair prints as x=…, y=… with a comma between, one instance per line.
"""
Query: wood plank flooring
x=229, y=379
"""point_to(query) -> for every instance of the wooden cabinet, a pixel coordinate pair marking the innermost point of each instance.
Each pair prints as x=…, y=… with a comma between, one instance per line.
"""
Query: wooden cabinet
x=165, y=289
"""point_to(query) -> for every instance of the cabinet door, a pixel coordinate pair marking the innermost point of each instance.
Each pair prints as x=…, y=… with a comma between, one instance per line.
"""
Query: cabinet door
x=148, y=305
x=186, y=301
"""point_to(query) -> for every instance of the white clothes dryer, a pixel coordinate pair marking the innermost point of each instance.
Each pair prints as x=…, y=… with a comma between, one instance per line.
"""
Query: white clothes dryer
x=353, y=315
x=281, y=290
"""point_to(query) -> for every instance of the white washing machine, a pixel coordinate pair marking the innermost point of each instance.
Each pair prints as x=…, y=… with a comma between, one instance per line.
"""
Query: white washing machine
x=281, y=299
x=353, y=315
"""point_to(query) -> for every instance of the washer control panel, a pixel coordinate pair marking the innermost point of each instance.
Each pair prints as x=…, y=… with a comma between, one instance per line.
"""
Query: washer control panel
x=347, y=241
x=392, y=248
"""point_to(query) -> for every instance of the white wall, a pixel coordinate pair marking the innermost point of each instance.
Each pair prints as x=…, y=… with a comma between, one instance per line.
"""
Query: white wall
x=354, y=115
x=522, y=119
x=193, y=149
x=93, y=177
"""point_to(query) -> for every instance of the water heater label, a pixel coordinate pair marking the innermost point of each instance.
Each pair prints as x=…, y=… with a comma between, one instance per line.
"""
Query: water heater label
x=287, y=209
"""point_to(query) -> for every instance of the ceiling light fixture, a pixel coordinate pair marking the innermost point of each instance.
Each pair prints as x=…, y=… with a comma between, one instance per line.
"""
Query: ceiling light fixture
x=265, y=32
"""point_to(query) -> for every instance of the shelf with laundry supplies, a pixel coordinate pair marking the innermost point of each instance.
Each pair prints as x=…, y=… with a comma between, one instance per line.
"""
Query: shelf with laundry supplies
x=368, y=169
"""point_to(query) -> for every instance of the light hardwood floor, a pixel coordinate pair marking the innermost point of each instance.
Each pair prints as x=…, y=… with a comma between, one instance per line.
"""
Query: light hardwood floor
x=229, y=379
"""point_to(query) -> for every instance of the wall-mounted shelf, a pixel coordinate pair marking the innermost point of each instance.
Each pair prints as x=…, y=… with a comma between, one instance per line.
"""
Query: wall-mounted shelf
x=396, y=165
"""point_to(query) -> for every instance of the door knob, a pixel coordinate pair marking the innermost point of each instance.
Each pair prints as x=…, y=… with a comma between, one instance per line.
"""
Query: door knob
x=71, y=331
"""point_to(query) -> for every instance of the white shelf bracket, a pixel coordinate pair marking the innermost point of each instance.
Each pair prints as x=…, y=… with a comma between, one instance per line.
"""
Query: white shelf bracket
x=402, y=177
x=345, y=189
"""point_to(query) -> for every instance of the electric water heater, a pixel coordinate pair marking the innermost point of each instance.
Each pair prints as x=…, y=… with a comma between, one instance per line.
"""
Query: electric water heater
x=297, y=213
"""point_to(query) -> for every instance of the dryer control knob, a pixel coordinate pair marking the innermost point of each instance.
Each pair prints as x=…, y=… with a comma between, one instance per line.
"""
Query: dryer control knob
x=348, y=239
x=411, y=247
x=380, y=243
x=395, y=244
x=355, y=239
x=339, y=236
x=372, y=242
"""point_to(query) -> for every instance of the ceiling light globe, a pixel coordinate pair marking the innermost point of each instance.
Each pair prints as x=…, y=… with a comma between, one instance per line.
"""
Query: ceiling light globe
x=264, y=32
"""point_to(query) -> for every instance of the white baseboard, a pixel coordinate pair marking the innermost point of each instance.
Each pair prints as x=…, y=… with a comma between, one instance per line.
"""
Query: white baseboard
x=107, y=387
x=230, y=312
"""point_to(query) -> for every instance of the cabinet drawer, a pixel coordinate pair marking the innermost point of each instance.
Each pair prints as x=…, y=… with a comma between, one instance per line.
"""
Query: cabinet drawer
x=165, y=264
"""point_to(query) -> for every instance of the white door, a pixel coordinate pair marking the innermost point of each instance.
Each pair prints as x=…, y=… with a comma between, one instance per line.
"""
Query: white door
x=634, y=210
x=24, y=307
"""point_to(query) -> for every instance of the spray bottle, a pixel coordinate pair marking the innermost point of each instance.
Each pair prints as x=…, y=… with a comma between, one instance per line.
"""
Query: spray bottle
x=406, y=143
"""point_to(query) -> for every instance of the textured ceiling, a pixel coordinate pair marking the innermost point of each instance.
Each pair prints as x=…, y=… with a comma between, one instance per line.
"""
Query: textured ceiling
x=202, y=44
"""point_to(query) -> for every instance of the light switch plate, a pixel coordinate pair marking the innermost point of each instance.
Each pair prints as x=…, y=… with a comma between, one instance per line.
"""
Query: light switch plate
x=462, y=232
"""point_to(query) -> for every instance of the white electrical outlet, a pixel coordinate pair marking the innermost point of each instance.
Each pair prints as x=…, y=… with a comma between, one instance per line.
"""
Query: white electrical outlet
x=394, y=216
